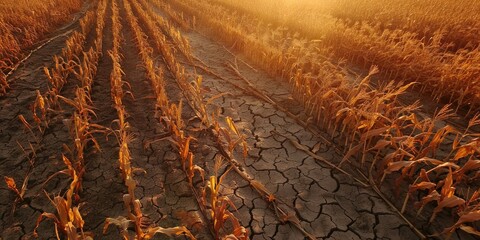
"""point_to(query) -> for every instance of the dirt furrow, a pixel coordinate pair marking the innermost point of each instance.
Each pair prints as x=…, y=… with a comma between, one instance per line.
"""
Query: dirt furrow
x=46, y=161
x=102, y=187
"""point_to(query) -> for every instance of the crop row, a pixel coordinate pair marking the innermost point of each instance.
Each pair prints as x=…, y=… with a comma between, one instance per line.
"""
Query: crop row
x=74, y=63
x=213, y=206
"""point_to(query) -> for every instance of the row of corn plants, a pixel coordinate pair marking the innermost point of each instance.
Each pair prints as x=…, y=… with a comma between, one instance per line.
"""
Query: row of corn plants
x=370, y=120
x=41, y=105
x=173, y=65
x=82, y=128
x=132, y=204
x=213, y=205
x=68, y=218
x=39, y=109
x=170, y=113
x=67, y=62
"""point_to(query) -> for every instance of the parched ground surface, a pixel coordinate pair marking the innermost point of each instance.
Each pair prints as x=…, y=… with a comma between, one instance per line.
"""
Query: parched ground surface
x=328, y=203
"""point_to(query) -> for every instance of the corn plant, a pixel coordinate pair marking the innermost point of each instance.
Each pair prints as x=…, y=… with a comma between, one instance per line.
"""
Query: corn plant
x=68, y=218
x=220, y=205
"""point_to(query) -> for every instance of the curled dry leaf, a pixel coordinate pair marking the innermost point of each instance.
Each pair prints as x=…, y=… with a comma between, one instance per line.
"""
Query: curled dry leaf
x=470, y=230
x=121, y=222
x=470, y=165
x=468, y=149
x=397, y=166
x=13, y=186
x=469, y=217
x=422, y=186
x=449, y=202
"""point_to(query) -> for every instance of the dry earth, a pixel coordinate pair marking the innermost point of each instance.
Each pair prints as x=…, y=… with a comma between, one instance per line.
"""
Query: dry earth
x=328, y=203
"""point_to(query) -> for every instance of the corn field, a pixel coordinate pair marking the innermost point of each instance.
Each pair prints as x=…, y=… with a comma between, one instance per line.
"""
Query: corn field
x=222, y=119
